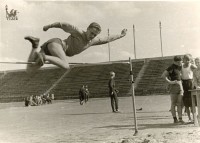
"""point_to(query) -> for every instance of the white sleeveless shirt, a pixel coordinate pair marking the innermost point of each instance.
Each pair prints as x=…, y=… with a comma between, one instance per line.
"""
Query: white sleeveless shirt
x=187, y=72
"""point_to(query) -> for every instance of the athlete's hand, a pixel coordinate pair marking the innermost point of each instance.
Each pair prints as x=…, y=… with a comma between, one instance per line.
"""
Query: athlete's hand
x=123, y=33
x=45, y=28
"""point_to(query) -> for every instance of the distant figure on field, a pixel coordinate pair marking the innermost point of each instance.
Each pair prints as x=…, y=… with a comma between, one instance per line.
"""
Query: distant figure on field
x=113, y=93
x=82, y=94
x=87, y=93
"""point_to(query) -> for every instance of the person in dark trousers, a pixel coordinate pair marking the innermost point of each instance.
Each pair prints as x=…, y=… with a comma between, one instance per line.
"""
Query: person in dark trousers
x=82, y=94
x=113, y=93
x=87, y=93
x=27, y=101
x=172, y=75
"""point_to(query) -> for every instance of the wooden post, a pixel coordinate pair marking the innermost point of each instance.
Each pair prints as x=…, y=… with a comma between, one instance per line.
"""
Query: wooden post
x=134, y=41
x=133, y=98
x=108, y=45
x=161, y=39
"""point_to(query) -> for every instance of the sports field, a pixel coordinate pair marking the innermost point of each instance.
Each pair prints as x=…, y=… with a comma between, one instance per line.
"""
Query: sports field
x=66, y=121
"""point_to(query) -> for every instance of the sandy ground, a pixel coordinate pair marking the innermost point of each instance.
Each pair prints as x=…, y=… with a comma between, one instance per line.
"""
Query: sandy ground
x=69, y=122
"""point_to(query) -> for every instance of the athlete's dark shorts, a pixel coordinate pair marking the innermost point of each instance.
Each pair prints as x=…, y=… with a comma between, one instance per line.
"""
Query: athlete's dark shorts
x=54, y=40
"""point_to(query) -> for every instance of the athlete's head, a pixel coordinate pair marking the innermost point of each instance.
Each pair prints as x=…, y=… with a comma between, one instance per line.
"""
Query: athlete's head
x=186, y=59
x=93, y=30
x=177, y=60
x=112, y=74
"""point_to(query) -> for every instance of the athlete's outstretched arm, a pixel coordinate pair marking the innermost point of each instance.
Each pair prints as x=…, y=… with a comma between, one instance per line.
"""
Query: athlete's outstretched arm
x=99, y=41
x=62, y=25
x=53, y=25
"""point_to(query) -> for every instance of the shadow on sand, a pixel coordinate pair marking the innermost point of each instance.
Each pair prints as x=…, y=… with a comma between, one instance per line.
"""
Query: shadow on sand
x=77, y=114
x=145, y=122
x=146, y=126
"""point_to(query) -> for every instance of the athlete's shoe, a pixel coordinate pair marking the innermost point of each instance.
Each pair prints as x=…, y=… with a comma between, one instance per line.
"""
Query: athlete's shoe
x=33, y=40
x=176, y=121
x=117, y=111
x=181, y=121
x=81, y=102
x=191, y=121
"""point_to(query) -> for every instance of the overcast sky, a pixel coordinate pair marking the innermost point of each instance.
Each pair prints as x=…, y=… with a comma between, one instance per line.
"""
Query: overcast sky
x=180, y=27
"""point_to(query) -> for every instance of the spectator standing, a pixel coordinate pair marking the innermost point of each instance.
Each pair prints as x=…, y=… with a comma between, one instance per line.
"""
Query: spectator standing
x=82, y=94
x=173, y=77
x=113, y=93
x=187, y=81
x=87, y=93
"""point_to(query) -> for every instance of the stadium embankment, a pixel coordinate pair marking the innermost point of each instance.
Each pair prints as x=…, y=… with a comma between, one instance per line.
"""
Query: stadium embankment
x=16, y=85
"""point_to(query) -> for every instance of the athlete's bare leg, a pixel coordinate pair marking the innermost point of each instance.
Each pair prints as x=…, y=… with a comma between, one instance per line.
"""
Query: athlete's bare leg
x=34, y=55
x=58, y=57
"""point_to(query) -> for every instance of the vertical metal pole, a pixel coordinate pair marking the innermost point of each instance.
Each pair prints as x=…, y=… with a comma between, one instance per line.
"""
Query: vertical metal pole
x=134, y=41
x=108, y=46
x=161, y=39
x=133, y=97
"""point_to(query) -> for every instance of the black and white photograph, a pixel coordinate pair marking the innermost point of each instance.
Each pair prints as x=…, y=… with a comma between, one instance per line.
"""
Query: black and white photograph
x=100, y=71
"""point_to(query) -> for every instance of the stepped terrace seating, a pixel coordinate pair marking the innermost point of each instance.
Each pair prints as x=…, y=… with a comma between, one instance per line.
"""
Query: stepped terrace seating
x=16, y=85
x=151, y=81
x=96, y=77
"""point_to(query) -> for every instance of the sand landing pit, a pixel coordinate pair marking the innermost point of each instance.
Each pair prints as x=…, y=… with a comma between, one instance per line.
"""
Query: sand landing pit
x=66, y=121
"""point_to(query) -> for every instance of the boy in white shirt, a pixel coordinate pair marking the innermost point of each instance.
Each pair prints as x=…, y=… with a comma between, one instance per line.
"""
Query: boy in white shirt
x=187, y=81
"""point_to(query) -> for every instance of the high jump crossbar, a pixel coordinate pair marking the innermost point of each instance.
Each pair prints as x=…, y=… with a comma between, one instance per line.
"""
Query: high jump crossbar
x=74, y=64
x=27, y=63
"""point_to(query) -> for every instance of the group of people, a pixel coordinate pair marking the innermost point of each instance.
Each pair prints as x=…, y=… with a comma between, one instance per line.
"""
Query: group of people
x=55, y=51
x=182, y=76
x=84, y=94
x=37, y=100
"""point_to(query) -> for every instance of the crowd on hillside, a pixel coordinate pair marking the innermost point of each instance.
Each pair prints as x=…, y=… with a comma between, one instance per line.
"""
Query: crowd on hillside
x=37, y=100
